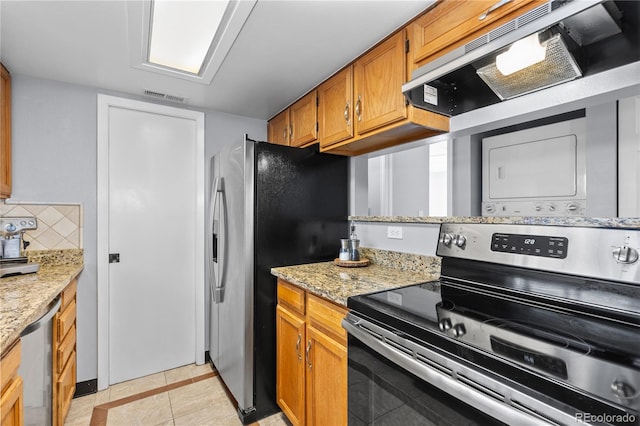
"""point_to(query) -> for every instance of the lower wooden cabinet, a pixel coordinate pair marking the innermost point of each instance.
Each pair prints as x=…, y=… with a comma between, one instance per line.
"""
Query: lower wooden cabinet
x=64, y=354
x=11, y=402
x=326, y=380
x=290, y=365
x=311, y=358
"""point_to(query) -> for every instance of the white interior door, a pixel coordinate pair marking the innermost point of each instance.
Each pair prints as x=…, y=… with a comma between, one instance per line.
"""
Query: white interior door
x=155, y=220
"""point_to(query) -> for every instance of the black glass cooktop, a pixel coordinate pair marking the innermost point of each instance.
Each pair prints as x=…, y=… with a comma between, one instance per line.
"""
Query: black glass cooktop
x=414, y=309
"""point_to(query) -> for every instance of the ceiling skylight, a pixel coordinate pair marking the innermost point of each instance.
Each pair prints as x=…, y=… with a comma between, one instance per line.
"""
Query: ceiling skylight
x=182, y=32
x=187, y=39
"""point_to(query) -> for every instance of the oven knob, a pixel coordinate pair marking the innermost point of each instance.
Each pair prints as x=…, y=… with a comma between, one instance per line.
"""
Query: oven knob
x=444, y=324
x=446, y=239
x=573, y=208
x=458, y=330
x=552, y=208
x=10, y=227
x=622, y=389
x=538, y=208
x=490, y=208
x=625, y=254
x=460, y=240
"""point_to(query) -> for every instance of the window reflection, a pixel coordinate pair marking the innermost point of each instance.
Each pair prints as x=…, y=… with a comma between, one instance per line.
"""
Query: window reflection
x=411, y=182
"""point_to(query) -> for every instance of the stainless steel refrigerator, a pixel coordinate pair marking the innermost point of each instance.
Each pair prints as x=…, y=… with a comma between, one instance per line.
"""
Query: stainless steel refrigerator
x=270, y=205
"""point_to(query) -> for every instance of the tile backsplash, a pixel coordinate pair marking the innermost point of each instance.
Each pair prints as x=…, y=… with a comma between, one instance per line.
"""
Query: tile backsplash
x=59, y=225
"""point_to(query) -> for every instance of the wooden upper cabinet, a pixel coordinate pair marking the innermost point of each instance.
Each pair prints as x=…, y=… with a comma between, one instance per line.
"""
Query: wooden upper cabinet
x=451, y=24
x=381, y=115
x=378, y=79
x=335, y=109
x=278, y=128
x=303, y=119
x=296, y=125
x=5, y=133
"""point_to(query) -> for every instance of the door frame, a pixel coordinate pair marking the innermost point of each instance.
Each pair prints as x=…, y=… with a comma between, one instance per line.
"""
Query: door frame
x=104, y=103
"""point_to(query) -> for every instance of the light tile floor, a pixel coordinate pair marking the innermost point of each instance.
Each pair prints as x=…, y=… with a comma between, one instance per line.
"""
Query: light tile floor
x=185, y=396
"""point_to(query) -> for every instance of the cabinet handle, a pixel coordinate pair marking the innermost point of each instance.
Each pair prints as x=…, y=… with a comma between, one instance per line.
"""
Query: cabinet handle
x=307, y=354
x=346, y=114
x=298, y=347
x=358, y=105
x=493, y=8
x=284, y=133
x=290, y=132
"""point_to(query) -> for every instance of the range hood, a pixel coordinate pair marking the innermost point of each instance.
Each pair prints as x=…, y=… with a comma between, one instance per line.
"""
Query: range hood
x=573, y=38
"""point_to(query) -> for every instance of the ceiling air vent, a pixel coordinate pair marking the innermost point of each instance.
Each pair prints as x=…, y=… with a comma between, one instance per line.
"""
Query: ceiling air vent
x=166, y=97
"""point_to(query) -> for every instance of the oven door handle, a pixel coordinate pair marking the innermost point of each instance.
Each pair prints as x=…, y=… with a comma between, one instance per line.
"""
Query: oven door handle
x=498, y=408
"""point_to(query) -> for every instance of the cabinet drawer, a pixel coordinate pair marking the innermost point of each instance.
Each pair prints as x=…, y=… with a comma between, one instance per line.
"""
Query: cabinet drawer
x=326, y=317
x=451, y=24
x=68, y=294
x=65, y=320
x=291, y=296
x=10, y=363
x=65, y=349
x=65, y=387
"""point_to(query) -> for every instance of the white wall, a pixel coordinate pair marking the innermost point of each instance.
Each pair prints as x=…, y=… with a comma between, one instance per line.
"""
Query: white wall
x=629, y=157
x=417, y=238
x=54, y=160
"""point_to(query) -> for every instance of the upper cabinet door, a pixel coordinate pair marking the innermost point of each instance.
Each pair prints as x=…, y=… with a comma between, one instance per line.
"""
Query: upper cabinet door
x=335, y=109
x=378, y=79
x=278, y=128
x=452, y=23
x=303, y=116
x=5, y=133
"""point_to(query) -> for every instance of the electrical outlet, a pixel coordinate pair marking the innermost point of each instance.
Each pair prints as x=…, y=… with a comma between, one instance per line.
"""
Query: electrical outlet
x=394, y=232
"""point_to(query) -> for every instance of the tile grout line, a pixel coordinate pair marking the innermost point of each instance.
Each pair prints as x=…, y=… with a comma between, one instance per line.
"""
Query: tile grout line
x=99, y=413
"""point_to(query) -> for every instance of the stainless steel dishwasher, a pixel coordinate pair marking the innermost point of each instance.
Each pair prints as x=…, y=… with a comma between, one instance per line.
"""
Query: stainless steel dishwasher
x=36, y=368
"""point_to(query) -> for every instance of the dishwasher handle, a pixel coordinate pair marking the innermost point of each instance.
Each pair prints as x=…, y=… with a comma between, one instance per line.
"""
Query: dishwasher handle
x=51, y=311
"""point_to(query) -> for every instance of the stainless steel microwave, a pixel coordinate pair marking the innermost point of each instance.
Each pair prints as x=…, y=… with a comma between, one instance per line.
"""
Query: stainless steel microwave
x=539, y=171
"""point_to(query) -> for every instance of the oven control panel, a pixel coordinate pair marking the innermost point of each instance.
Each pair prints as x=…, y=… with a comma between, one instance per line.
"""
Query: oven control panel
x=532, y=245
x=590, y=251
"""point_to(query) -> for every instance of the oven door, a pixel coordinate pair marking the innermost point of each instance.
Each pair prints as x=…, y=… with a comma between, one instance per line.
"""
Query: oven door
x=394, y=381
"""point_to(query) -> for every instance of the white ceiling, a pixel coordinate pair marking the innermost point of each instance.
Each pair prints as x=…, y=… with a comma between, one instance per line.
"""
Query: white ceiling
x=285, y=48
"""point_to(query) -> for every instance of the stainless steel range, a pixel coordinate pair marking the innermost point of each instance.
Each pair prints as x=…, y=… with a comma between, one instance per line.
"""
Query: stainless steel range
x=527, y=325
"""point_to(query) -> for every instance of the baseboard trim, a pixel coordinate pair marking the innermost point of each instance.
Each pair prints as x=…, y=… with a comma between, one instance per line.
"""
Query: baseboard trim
x=86, y=388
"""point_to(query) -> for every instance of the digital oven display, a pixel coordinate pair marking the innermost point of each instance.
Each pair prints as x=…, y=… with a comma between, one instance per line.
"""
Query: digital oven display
x=532, y=245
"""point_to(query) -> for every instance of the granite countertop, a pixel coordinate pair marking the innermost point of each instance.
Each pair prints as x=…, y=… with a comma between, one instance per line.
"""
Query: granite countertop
x=336, y=283
x=24, y=298
x=597, y=222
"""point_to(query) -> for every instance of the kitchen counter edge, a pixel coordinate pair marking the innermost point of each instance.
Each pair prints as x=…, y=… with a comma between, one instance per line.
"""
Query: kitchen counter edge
x=24, y=298
x=591, y=222
x=335, y=283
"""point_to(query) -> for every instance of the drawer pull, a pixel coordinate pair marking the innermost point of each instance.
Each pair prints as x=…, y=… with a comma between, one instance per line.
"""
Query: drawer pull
x=493, y=8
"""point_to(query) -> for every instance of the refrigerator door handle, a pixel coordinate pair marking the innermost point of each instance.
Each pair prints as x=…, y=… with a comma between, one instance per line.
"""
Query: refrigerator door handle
x=215, y=276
